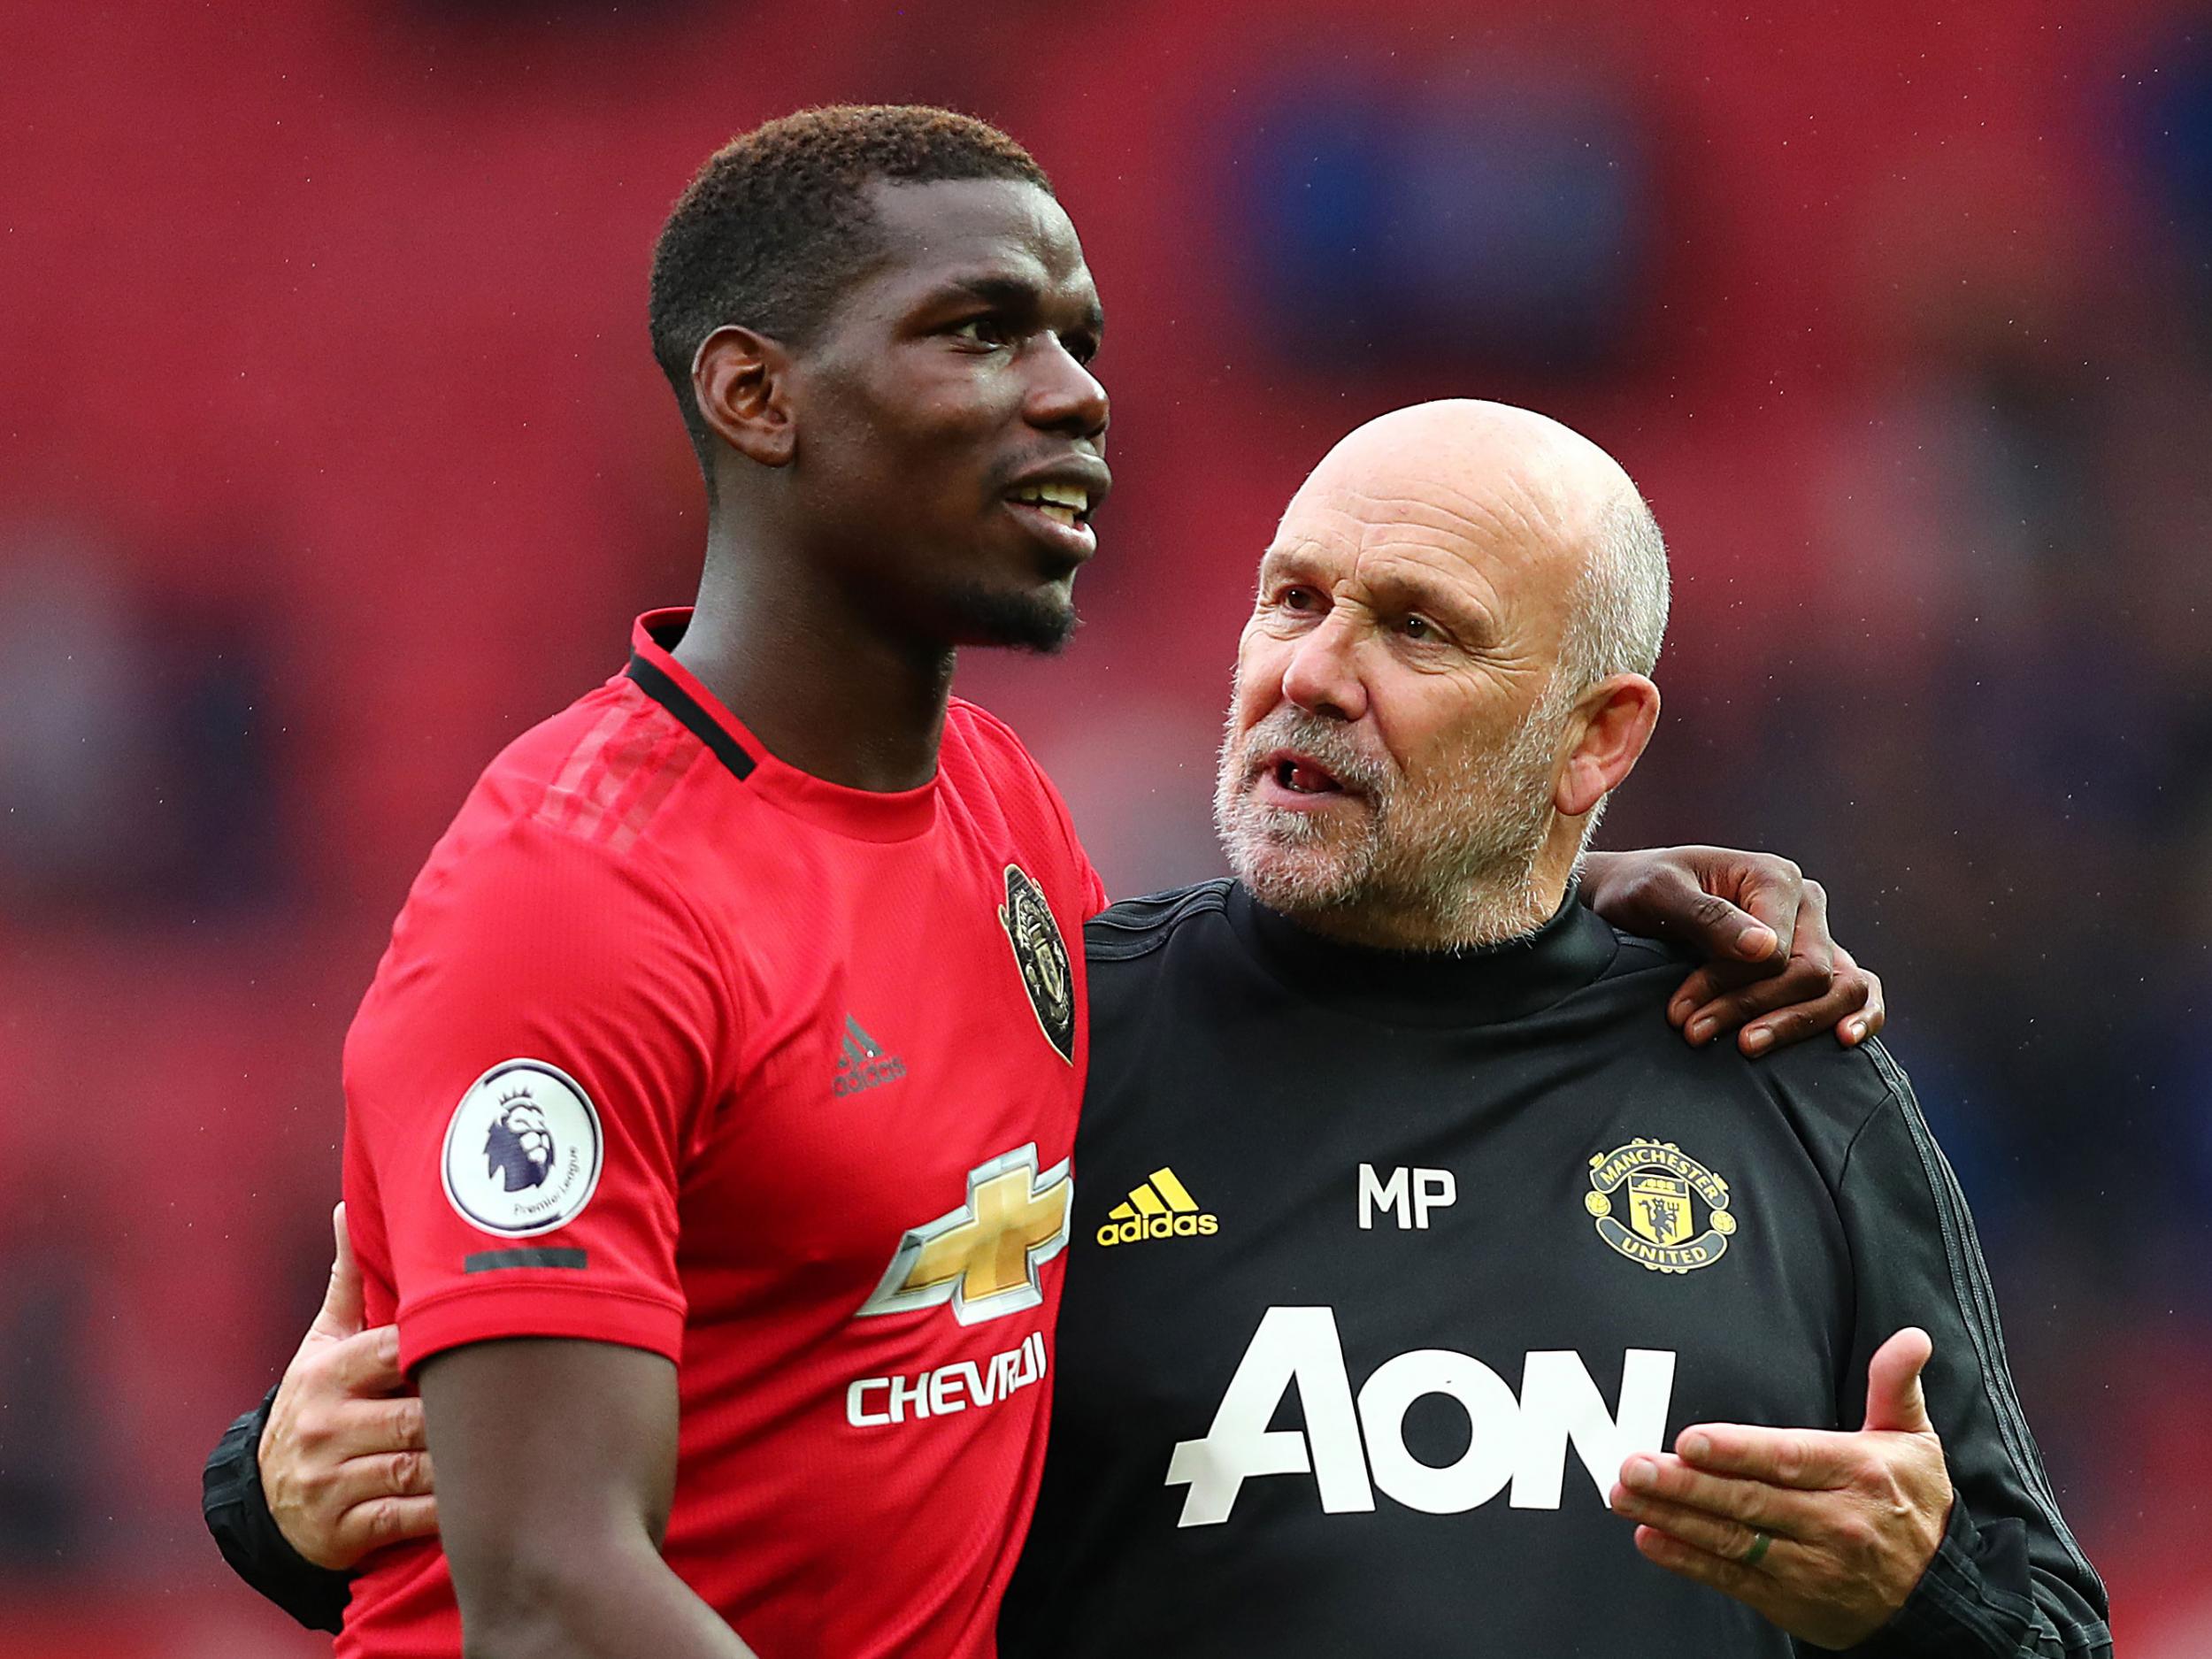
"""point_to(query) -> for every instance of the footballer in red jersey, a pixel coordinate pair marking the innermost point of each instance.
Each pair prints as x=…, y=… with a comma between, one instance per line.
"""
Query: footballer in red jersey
x=709, y=1122
x=710, y=1118
x=644, y=961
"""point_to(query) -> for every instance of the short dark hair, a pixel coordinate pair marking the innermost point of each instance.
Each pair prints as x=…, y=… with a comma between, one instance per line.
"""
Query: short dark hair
x=772, y=230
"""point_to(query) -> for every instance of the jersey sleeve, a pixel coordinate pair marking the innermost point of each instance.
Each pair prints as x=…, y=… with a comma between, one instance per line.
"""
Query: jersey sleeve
x=522, y=1084
x=2008, y=1578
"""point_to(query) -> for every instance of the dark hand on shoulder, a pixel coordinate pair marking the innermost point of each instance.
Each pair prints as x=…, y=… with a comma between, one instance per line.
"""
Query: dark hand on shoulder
x=1771, y=967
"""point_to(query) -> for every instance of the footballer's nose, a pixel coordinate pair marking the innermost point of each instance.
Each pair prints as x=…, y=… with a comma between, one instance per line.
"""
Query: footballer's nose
x=1064, y=396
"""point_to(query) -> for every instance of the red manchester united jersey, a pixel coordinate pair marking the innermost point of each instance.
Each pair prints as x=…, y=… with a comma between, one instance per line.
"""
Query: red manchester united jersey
x=679, y=1048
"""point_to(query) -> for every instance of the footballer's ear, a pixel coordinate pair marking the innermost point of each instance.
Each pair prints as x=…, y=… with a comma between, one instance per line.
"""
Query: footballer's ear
x=741, y=382
x=1616, y=718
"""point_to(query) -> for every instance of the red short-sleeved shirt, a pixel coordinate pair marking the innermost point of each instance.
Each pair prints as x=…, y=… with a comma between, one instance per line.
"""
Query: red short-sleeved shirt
x=679, y=1048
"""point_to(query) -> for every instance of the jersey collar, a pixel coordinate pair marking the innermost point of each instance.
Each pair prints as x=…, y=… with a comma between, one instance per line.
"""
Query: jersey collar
x=1469, y=987
x=862, y=814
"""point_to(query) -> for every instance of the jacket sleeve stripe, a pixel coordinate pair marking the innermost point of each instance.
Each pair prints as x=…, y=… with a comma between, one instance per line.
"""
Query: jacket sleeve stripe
x=1970, y=1284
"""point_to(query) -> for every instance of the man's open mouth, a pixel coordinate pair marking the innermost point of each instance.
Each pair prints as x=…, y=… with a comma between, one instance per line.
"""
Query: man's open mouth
x=1068, y=504
x=1301, y=774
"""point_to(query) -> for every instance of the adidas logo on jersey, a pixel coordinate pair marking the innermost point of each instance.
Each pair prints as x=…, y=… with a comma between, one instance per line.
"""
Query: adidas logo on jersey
x=863, y=1063
x=1158, y=1207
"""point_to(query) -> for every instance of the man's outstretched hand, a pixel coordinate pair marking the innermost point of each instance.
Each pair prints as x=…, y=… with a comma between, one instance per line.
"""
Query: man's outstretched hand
x=343, y=1464
x=1771, y=964
x=1849, y=1522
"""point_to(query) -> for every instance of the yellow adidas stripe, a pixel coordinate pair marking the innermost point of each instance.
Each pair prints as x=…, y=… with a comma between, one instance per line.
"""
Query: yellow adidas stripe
x=1144, y=1201
x=1173, y=1190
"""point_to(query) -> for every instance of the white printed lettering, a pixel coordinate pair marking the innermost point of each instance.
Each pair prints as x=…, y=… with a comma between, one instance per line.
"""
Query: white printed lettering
x=1292, y=1344
x=947, y=1389
x=1521, y=1440
x=1390, y=1195
x=1409, y=1194
x=856, y=1414
x=1433, y=1189
x=1481, y=1472
x=1561, y=1405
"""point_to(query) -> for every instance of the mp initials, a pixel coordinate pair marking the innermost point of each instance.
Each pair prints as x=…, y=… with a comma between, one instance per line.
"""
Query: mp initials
x=1410, y=1195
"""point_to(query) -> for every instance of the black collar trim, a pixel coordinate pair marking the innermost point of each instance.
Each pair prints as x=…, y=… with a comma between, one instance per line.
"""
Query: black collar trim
x=1501, y=982
x=653, y=680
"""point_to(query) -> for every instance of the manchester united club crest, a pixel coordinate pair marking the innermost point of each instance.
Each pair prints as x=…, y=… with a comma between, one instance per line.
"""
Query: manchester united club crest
x=1662, y=1191
x=1042, y=957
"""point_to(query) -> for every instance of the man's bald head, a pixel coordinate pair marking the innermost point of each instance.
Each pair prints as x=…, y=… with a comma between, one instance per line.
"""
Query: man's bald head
x=1578, y=532
x=1445, y=670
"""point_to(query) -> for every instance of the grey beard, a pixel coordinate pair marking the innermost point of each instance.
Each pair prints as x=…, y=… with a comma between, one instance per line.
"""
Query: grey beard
x=1448, y=857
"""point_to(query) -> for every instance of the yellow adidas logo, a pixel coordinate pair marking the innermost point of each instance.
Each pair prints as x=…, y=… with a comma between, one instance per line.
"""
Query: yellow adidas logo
x=1160, y=1207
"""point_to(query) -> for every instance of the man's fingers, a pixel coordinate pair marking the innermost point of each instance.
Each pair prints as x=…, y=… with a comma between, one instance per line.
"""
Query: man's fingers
x=1894, y=1398
x=1811, y=1460
x=1777, y=1009
x=1751, y=1586
x=1788, y=1009
x=382, y=1521
x=366, y=1365
x=1716, y=1534
x=1811, y=941
x=360, y=1480
x=1713, y=927
x=1682, y=895
x=340, y=1316
x=1692, y=994
x=1872, y=1012
x=1770, y=892
x=1663, y=1479
x=371, y=1428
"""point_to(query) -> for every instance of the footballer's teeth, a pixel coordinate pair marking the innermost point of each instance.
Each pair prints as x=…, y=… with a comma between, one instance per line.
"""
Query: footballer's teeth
x=1062, y=503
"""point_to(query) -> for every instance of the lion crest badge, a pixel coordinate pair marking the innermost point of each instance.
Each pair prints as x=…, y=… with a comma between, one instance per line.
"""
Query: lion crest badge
x=1043, y=956
x=522, y=1150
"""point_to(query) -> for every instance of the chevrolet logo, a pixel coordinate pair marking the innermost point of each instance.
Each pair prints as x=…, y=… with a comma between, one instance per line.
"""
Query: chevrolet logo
x=984, y=1257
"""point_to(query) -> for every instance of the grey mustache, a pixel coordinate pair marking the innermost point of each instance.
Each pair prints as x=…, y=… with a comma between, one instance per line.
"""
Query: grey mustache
x=1347, y=761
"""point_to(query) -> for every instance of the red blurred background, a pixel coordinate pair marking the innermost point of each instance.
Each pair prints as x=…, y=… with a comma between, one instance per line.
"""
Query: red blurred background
x=332, y=454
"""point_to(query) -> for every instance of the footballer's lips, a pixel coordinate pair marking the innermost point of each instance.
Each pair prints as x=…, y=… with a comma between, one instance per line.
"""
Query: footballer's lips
x=1055, y=503
x=1294, y=782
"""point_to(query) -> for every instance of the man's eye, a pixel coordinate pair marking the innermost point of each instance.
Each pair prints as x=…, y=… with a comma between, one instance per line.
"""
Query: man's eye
x=984, y=330
x=1418, y=628
x=1297, y=599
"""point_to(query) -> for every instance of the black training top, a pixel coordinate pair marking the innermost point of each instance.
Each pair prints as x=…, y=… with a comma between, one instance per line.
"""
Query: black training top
x=1382, y=1264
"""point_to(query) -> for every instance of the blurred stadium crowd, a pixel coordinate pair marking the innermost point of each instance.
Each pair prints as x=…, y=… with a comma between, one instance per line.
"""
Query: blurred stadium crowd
x=332, y=454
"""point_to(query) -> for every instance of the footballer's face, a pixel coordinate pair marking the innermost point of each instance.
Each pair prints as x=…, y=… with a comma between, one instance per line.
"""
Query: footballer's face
x=951, y=437
x=1393, y=741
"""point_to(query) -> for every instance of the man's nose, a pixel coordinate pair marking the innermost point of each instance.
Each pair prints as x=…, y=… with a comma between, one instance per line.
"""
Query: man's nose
x=1323, y=674
x=1064, y=395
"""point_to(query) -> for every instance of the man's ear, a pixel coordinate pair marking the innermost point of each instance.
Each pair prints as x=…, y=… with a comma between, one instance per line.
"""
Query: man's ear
x=741, y=383
x=1616, y=718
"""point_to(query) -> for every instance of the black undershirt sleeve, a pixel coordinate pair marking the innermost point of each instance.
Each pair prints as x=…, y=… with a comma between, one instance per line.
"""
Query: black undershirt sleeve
x=2008, y=1579
x=237, y=1514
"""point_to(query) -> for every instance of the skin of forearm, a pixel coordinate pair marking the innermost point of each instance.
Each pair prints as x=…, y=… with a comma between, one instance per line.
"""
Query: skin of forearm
x=614, y=1599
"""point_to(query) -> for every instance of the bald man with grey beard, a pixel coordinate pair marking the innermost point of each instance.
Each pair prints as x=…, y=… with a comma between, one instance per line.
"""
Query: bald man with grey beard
x=1426, y=1299
x=1387, y=772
